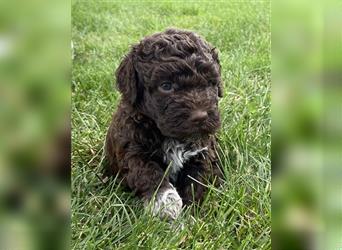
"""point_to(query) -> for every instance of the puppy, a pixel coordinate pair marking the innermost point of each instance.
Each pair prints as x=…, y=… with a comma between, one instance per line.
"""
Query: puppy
x=161, y=139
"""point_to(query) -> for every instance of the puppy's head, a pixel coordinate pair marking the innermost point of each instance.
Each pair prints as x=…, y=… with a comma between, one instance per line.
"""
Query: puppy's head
x=173, y=77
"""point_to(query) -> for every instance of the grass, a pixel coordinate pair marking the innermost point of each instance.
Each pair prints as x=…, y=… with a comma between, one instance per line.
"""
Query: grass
x=237, y=216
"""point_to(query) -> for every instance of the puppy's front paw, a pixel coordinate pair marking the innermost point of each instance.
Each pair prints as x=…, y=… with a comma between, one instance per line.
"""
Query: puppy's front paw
x=167, y=204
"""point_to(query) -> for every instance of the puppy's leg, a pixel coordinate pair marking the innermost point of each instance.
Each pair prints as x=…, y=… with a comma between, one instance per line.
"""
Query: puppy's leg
x=167, y=203
x=148, y=181
x=190, y=187
x=192, y=181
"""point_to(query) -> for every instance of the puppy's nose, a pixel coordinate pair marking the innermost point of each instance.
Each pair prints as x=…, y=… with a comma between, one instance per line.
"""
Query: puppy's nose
x=198, y=116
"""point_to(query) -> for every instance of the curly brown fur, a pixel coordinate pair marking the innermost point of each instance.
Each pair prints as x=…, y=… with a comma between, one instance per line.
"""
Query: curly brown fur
x=170, y=85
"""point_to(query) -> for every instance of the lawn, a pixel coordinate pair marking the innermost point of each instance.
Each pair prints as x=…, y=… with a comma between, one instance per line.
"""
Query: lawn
x=236, y=216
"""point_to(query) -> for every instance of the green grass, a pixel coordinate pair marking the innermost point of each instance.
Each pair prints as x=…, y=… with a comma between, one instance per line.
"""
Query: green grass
x=238, y=215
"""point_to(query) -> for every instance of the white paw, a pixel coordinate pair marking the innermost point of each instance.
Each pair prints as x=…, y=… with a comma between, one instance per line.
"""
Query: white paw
x=167, y=204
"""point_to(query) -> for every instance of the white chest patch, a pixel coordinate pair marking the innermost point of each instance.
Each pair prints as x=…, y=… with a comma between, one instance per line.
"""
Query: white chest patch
x=176, y=154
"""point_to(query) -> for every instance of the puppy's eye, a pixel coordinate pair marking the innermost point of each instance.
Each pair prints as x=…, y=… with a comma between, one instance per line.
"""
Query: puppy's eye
x=166, y=87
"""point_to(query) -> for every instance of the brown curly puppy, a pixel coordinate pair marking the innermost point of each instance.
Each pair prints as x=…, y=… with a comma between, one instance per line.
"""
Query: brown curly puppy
x=162, y=135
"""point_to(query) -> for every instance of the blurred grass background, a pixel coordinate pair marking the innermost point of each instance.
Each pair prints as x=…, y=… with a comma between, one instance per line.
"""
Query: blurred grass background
x=34, y=124
x=238, y=216
x=306, y=125
x=35, y=103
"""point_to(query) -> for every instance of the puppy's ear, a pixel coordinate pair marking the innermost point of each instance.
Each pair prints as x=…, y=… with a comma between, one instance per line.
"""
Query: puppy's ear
x=216, y=59
x=127, y=79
